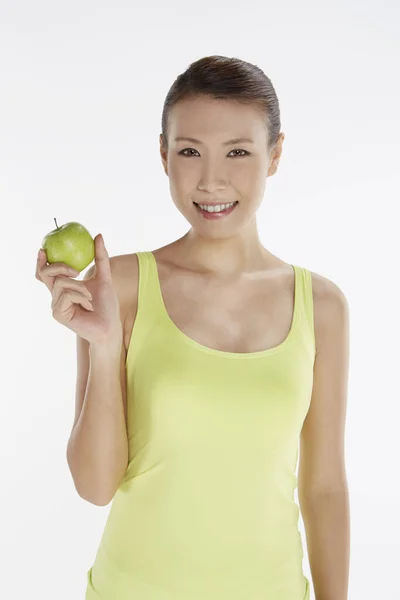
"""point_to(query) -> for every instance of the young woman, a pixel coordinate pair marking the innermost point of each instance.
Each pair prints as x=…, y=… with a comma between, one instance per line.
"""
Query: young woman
x=202, y=365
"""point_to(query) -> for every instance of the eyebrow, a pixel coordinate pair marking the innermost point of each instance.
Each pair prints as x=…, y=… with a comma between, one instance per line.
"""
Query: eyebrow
x=228, y=143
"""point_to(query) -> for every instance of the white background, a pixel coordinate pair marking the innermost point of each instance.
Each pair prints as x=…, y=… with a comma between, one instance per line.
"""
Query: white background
x=82, y=86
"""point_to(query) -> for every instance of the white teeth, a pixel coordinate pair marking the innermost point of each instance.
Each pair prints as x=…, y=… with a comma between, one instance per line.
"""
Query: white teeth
x=218, y=208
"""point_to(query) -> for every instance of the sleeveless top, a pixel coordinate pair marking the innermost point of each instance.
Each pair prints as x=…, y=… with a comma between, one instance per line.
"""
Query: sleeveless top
x=206, y=508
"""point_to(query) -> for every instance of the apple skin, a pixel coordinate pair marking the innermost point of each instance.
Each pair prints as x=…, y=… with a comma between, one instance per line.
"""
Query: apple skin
x=71, y=244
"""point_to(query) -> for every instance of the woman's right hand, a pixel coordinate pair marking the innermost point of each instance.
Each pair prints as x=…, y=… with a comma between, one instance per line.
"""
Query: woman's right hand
x=90, y=308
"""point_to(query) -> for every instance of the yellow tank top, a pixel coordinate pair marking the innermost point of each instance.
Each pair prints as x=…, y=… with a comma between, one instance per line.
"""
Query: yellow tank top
x=206, y=509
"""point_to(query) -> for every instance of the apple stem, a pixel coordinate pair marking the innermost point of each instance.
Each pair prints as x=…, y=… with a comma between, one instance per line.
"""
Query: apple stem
x=56, y=223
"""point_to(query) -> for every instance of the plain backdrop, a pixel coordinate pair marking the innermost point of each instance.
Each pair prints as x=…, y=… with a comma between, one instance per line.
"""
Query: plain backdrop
x=82, y=85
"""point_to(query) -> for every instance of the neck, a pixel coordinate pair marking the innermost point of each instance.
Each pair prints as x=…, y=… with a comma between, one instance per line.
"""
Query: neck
x=223, y=257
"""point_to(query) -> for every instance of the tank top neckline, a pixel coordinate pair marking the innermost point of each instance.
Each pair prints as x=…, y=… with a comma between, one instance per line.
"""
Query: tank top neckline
x=223, y=353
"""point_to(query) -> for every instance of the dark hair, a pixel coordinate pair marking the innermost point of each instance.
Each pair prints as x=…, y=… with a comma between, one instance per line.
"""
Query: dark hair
x=225, y=78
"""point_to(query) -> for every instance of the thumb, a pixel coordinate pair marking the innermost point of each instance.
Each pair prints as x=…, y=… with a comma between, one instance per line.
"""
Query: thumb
x=102, y=260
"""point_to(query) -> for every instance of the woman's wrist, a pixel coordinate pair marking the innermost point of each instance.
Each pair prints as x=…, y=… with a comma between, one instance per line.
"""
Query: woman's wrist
x=109, y=346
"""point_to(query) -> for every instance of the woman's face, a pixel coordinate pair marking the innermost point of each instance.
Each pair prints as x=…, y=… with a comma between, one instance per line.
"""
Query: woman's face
x=213, y=170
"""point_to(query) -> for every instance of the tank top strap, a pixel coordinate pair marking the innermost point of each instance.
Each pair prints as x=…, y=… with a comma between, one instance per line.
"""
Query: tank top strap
x=149, y=313
x=149, y=301
x=305, y=305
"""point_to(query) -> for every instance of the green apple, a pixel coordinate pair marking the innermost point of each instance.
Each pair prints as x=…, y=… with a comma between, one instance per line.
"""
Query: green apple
x=71, y=244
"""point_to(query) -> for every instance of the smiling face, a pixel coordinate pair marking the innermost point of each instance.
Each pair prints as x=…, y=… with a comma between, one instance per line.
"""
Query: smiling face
x=216, y=169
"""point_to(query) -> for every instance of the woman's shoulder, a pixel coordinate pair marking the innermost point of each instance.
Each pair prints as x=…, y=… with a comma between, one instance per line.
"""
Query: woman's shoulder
x=125, y=275
x=329, y=302
x=325, y=290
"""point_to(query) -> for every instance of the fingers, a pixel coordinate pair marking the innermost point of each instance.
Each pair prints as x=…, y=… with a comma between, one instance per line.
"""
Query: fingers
x=40, y=261
x=47, y=272
x=66, y=300
x=102, y=260
x=62, y=283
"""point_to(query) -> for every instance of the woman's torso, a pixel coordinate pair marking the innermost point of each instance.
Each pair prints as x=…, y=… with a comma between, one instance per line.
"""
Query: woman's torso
x=219, y=378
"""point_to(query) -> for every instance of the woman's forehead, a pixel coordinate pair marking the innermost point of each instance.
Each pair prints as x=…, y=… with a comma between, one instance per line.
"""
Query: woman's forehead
x=198, y=120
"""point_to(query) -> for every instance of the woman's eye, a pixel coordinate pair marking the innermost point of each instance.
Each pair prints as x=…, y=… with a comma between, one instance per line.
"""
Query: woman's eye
x=183, y=152
x=235, y=150
x=240, y=150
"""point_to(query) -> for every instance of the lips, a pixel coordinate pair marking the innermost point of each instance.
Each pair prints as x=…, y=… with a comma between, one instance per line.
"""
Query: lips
x=206, y=214
x=214, y=203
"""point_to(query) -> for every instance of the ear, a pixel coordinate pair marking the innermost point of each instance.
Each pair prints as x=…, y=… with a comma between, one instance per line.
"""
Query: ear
x=276, y=155
x=163, y=154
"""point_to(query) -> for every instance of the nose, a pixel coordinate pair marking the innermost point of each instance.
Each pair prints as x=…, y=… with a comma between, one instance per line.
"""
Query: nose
x=211, y=182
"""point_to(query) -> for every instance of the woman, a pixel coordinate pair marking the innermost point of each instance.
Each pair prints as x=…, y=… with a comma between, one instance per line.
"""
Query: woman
x=201, y=365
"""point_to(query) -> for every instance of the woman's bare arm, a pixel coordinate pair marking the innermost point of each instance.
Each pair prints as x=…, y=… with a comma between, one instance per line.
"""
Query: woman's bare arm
x=97, y=451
